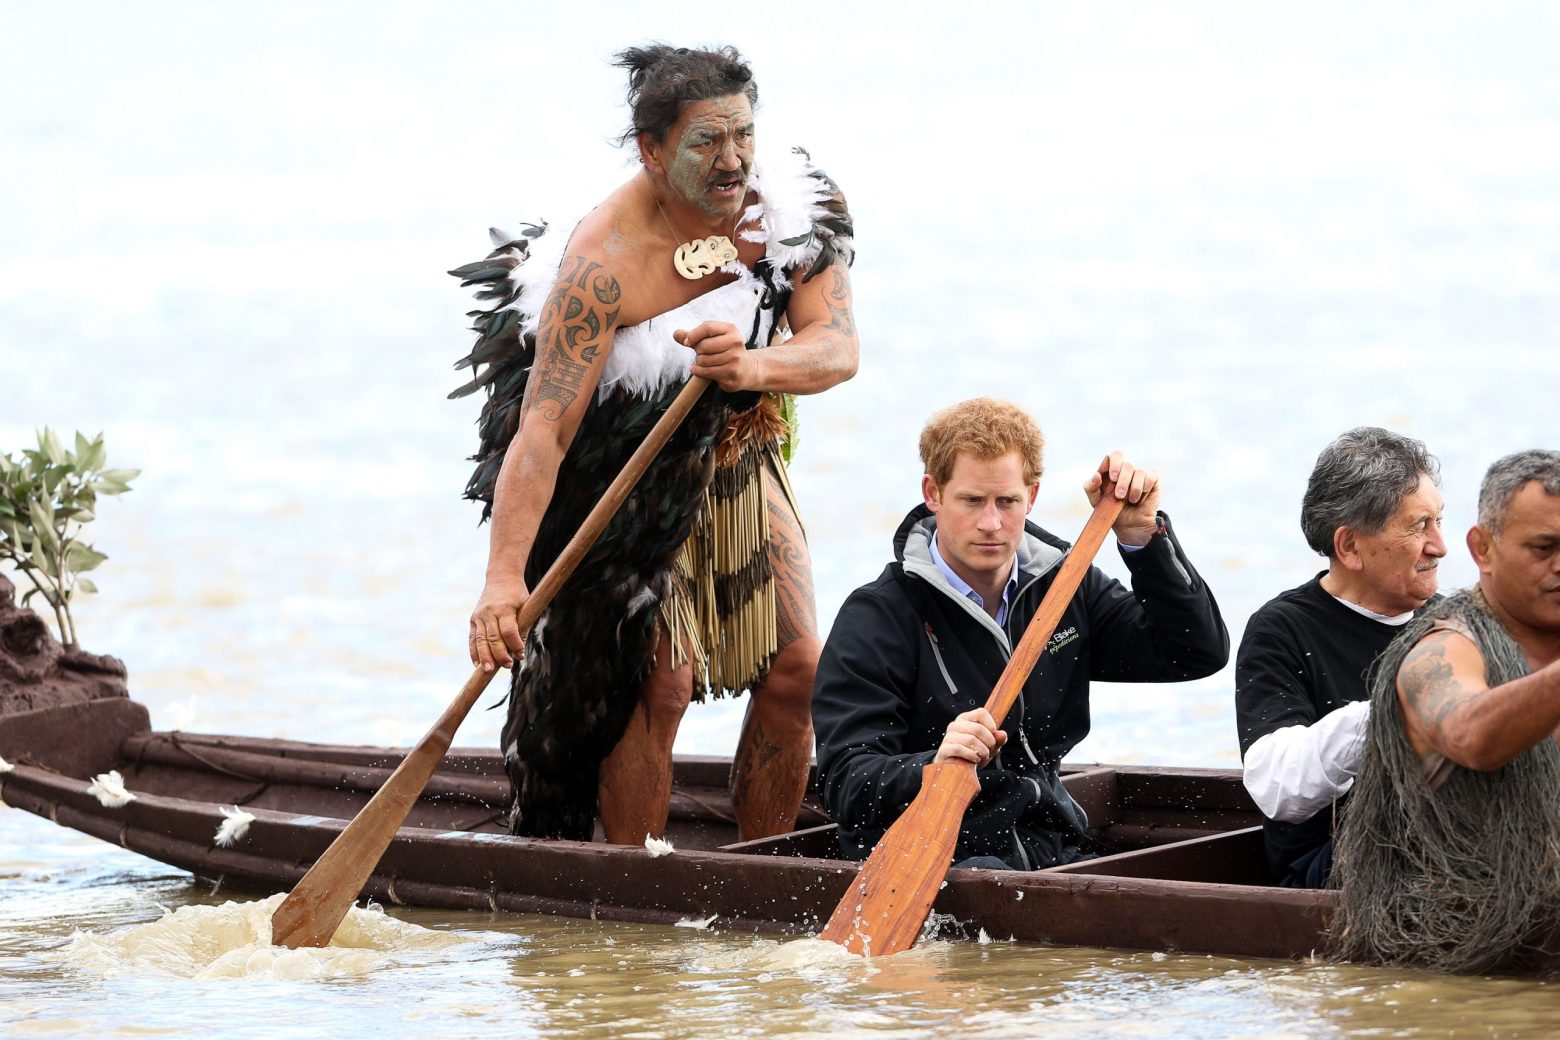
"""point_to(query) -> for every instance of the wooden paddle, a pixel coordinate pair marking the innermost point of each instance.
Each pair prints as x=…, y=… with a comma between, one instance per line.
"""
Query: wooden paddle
x=310, y=915
x=885, y=907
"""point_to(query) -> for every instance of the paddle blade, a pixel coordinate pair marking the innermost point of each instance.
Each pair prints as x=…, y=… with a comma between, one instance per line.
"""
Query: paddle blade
x=888, y=902
x=311, y=913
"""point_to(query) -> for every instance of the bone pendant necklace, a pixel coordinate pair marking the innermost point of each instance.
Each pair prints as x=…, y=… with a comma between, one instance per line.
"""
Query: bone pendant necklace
x=700, y=256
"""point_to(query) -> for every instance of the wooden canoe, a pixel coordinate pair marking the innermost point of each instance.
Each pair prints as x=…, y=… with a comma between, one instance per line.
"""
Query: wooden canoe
x=1180, y=865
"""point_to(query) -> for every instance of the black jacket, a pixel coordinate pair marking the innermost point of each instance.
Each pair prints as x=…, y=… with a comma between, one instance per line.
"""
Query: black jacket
x=907, y=653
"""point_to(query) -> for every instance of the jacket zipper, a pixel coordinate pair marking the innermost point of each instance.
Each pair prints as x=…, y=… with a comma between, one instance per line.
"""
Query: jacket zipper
x=1023, y=738
x=941, y=667
x=1023, y=855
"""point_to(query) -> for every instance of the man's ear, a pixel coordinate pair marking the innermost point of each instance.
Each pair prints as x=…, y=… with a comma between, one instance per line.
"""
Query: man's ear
x=1346, y=549
x=1480, y=546
x=1034, y=492
x=931, y=494
x=650, y=153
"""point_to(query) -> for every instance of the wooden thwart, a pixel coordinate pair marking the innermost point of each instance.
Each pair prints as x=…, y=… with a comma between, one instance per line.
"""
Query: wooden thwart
x=885, y=907
x=310, y=915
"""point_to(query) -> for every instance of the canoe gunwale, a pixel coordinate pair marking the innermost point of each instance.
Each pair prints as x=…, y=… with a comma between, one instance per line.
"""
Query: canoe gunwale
x=751, y=886
x=775, y=894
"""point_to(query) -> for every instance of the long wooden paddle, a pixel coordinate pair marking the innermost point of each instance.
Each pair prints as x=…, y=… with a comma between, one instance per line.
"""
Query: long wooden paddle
x=885, y=907
x=310, y=915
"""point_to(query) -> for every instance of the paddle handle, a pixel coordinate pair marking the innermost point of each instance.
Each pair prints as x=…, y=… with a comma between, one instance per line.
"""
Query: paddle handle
x=617, y=491
x=311, y=913
x=1079, y=558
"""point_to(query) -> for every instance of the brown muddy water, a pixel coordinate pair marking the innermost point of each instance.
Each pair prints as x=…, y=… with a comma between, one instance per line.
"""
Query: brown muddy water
x=118, y=950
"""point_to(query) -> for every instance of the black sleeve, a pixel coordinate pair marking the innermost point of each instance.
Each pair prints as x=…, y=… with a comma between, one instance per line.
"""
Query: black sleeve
x=866, y=675
x=1270, y=691
x=1167, y=628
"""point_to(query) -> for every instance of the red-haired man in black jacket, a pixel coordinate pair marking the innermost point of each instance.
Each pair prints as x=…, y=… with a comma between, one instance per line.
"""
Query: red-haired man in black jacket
x=913, y=655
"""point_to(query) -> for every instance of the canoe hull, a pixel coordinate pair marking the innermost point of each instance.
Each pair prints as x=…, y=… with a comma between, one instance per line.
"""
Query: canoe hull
x=1192, y=825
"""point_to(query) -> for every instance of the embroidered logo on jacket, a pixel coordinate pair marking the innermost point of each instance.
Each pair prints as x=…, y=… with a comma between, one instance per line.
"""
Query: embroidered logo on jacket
x=1061, y=639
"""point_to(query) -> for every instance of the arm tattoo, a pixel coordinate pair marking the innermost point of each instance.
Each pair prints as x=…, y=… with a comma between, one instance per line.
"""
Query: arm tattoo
x=581, y=310
x=1429, y=686
x=838, y=302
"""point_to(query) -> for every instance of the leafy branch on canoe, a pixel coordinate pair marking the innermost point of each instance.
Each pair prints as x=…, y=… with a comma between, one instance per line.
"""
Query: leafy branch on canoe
x=47, y=496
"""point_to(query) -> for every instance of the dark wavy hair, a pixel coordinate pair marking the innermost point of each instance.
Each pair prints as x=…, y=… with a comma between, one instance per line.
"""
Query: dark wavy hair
x=662, y=79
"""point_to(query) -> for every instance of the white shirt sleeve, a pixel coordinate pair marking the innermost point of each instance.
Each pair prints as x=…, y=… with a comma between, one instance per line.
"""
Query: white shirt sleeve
x=1293, y=772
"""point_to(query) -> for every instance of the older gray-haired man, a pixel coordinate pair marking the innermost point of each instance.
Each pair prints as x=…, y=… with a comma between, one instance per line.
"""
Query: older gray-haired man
x=1373, y=508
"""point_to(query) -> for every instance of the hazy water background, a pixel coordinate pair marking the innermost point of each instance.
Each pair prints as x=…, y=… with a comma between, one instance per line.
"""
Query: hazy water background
x=1211, y=234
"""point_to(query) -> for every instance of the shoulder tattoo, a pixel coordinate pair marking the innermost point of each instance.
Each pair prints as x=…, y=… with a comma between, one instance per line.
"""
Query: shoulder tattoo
x=1429, y=686
x=581, y=311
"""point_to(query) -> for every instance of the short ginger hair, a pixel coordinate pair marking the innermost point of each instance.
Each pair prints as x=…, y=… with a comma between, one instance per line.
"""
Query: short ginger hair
x=983, y=428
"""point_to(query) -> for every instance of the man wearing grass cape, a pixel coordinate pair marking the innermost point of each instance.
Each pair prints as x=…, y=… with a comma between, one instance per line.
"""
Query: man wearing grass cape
x=1449, y=854
x=913, y=656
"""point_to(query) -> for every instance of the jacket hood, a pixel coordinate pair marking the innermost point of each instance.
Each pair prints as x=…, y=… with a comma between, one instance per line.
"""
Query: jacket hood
x=1038, y=553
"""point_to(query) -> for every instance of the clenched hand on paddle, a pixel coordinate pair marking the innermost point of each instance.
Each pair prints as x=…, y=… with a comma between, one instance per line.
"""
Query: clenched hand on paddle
x=887, y=903
x=310, y=915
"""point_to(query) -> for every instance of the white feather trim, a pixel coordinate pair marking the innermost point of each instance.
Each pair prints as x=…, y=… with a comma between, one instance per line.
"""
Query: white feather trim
x=234, y=827
x=641, y=600
x=538, y=274
x=644, y=357
x=110, y=789
x=790, y=202
x=700, y=923
x=658, y=847
x=5, y=767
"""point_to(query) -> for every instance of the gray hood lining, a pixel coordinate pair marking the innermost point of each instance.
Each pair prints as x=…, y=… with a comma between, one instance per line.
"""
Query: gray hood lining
x=1035, y=559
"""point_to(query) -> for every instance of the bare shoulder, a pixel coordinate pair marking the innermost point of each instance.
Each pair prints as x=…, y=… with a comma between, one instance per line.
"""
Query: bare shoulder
x=1445, y=648
x=601, y=234
x=1442, y=671
x=616, y=240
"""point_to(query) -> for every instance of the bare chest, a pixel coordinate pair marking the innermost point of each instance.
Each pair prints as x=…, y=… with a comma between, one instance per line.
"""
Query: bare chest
x=653, y=284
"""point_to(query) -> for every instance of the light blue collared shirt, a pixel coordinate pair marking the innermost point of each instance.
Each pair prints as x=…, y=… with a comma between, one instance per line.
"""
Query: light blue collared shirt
x=963, y=588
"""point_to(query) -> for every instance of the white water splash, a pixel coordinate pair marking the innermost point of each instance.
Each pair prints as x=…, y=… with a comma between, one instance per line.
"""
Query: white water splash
x=110, y=790
x=794, y=956
x=658, y=846
x=234, y=827
x=5, y=767
x=701, y=923
x=234, y=941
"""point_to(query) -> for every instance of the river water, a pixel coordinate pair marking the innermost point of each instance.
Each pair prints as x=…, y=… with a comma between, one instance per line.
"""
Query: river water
x=1212, y=235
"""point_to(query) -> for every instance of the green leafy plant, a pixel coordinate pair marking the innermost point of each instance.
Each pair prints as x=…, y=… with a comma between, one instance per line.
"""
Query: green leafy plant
x=46, y=497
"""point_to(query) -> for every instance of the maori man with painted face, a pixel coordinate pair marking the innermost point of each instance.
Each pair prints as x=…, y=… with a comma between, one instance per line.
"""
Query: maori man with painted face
x=913, y=655
x=1449, y=853
x=714, y=259
x=1302, y=699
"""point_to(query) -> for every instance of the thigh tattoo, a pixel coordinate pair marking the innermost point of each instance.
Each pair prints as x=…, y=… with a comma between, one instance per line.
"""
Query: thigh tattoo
x=794, y=611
